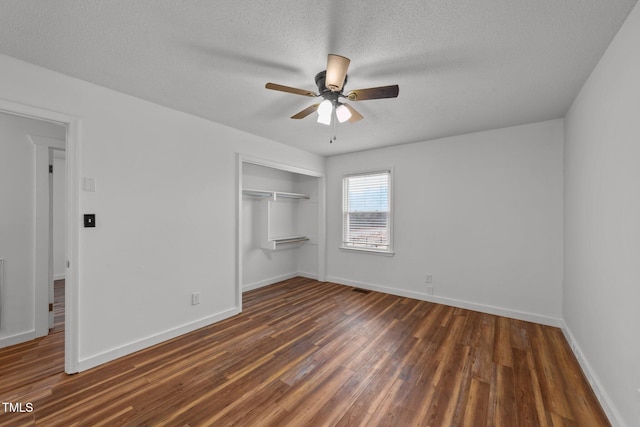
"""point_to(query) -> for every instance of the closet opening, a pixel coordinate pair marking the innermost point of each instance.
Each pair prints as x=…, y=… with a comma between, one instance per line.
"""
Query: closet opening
x=281, y=216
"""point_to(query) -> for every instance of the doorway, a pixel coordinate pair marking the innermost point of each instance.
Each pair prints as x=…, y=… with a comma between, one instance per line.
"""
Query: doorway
x=26, y=291
x=57, y=236
x=26, y=218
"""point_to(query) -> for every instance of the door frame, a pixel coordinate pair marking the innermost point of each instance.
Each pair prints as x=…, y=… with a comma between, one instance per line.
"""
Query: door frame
x=72, y=144
x=43, y=232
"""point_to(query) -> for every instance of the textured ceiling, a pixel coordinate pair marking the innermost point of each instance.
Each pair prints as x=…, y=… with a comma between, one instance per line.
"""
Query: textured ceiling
x=462, y=66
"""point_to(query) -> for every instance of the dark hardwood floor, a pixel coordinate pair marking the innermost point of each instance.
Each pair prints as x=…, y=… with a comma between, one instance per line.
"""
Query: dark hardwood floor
x=310, y=353
x=58, y=307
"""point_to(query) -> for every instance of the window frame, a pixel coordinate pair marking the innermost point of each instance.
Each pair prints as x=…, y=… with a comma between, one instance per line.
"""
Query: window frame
x=390, y=251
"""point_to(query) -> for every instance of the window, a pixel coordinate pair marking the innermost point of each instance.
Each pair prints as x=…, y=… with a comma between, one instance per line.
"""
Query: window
x=366, y=212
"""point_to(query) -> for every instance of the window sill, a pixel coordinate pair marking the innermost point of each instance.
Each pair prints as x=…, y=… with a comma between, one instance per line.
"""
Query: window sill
x=368, y=251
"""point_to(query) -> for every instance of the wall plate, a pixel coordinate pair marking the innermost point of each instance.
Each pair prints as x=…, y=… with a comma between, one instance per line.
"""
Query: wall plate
x=89, y=220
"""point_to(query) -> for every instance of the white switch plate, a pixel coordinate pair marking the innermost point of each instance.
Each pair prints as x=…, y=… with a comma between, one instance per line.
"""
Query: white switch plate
x=195, y=298
x=89, y=184
x=428, y=278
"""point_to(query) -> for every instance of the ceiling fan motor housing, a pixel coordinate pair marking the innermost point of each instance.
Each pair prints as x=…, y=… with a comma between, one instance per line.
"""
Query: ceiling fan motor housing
x=321, y=79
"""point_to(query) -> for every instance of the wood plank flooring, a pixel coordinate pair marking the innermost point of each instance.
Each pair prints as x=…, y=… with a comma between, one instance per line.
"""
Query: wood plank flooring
x=317, y=354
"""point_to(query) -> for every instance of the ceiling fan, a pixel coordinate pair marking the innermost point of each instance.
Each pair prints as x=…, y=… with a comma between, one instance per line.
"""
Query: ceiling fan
x=330, y=87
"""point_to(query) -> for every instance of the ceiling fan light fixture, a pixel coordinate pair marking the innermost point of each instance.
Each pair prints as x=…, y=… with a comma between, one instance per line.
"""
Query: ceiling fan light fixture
x=324, y=119
x=325, y=110
x=337, y=67
x=330, y=83
x=342, y=113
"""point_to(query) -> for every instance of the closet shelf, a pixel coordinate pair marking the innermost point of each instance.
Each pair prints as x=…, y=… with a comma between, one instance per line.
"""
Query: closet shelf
x=291, y=239
x=284, y=242
x=275, y=195
x=278, y=222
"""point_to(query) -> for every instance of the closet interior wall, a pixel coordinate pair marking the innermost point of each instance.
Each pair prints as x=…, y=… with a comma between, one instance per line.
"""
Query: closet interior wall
x=262, y=267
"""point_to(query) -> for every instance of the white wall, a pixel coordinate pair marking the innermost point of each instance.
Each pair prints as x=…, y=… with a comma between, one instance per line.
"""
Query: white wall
x=59, y=215
x=602, y=225
x=308, y=220
x=17, y=222
x=165, y=206
x=481, y=212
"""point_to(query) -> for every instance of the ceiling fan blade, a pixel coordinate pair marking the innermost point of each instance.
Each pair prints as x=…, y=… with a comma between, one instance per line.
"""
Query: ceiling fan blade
x=355, y=116
x=374, y=93
x=288, y=89
x=337, y=67
x=304, y=113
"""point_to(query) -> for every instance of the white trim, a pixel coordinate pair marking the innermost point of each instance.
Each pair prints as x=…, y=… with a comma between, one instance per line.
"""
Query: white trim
x=489, y=309
x=308, y=275
x=267, y=282
x=1, y=294
x=71, y=352
x=58, y=277
x=239, y=263
x=42, y=239
x=594, y=381
x=271, y=281
x=71, y=287
x=367, y=251
x=282, y=166
x=47, y=142
x=132, y=347
x=31, y=112
x=369, y=172
x=18, y=338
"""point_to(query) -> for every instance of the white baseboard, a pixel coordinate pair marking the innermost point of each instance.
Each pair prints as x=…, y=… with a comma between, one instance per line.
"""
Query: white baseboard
x=17, y=338
x=489, y=309
x=115, y=353
x=313, y=276
x=267, y=282
x=598, y=389
x=272, y=280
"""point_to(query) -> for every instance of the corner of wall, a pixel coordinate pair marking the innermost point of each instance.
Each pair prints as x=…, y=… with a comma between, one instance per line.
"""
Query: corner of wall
x=592, y=378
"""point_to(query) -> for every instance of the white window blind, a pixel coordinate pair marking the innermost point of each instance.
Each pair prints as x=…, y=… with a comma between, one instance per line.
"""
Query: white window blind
x=367, y=211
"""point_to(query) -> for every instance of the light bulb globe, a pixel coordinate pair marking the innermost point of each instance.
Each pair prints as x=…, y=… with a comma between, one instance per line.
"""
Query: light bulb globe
x=342, y=113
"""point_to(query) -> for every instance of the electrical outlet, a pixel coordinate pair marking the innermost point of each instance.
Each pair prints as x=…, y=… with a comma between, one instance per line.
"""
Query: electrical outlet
x=429, y=290
x=195, y=298
x=428, y=278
